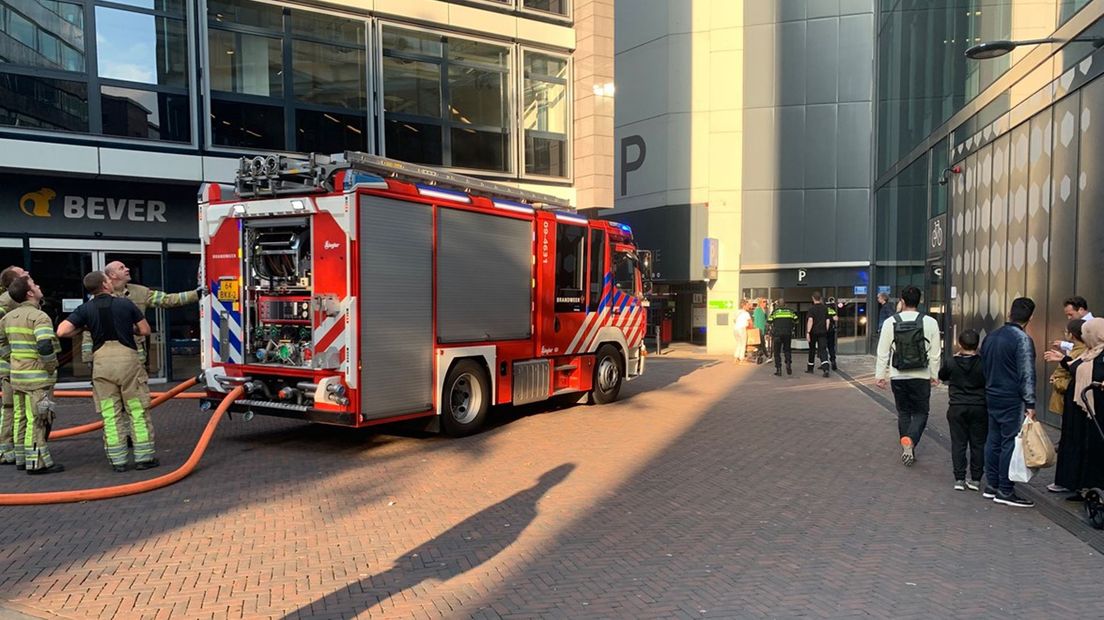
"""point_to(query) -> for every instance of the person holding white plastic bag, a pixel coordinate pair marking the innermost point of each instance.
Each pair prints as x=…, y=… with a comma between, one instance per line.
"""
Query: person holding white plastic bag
x=1008, y=356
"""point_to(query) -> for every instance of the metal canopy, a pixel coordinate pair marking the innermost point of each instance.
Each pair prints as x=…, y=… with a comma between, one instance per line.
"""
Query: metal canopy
x=280, y=175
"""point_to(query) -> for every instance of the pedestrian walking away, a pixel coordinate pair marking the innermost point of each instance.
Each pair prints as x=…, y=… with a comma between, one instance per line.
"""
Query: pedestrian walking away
x=966, y=415
x=816, y=331
x=1008, y=358
x=833, y=323
x=782, y=323
x=28, y=334
x=118, y=385
x=908, y=356
x=7, y=413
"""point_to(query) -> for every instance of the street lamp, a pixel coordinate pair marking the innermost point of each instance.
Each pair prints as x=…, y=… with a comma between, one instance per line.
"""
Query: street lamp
x=996, y=49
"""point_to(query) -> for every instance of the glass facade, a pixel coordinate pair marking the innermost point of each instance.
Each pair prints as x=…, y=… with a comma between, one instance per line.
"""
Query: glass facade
x=286, y=78
x=1016, y=181
x=140, y=85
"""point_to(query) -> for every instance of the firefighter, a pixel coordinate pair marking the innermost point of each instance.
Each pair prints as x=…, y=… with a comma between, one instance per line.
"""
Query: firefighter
x=7, y=437
x=782, y=322
x=833, y=319
x=116, y=381
x=143, y=297
x=29, y=334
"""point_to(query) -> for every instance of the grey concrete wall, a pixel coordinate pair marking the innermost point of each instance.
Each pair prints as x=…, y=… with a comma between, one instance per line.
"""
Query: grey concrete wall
x=808, y=120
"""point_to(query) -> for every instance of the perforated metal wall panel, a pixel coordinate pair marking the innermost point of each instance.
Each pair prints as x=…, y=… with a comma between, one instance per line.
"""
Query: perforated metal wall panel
x=396, y=319
x=484, y=277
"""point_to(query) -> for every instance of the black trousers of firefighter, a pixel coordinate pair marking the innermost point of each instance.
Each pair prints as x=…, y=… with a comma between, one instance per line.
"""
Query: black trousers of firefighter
x=818, y=346
x=780, y=346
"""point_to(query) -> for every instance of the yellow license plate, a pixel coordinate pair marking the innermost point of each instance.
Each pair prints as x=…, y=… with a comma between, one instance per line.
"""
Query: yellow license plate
x=228, y=290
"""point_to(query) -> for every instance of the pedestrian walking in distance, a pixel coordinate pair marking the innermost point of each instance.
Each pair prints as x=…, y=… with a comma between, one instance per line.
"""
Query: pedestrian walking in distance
x=739, y=331
x=117, y=381
x=782, y=323
x=816, y=331
x=1008, y=355
x=966, y=415
x=908, y=356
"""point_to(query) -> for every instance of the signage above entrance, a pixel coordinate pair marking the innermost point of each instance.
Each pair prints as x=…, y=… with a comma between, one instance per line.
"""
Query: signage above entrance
x=86, y=207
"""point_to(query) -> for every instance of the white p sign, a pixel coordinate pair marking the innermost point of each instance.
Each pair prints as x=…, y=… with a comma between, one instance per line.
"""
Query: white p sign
x=801, y=275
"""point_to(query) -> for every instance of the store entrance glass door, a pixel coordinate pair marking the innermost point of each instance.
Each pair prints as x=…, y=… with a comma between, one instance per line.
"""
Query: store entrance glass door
x=851, y=326
x=59, y=266
x=60, y=275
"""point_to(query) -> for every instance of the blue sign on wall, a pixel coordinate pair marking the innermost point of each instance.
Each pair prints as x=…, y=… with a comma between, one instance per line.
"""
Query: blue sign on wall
x=859, y=291
x=883, y=289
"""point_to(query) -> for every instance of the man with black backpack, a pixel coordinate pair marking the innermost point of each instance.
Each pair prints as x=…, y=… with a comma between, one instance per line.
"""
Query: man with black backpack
x=908, y=355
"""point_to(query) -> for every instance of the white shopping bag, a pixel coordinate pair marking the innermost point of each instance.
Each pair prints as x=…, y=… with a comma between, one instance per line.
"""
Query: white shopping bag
x=1018, y=471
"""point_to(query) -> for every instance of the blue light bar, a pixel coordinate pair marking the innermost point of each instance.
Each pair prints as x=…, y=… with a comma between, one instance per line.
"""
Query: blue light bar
x=357, y=178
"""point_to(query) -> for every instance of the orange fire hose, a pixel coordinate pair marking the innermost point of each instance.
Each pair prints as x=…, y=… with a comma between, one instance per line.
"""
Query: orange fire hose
x=162, y=397
x=133, y=488
x=91, y=394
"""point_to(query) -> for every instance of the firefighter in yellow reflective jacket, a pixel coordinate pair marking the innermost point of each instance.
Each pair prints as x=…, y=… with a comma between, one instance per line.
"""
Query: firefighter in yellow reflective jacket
x=119, y=276
x=120, y=392
x=7, y=413
x=29, y=334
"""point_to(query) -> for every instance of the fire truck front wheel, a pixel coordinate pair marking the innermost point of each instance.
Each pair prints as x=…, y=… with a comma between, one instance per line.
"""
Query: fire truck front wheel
x=609, y=373
x=466, y=398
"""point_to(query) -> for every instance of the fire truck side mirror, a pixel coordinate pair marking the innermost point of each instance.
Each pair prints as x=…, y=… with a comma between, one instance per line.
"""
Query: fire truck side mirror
x=645, y=263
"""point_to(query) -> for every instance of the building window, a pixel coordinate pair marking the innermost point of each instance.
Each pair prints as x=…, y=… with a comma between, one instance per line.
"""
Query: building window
x=446, y=100
x=545, y=114
x=286, y=79
x=140, y=88
x=560, y=8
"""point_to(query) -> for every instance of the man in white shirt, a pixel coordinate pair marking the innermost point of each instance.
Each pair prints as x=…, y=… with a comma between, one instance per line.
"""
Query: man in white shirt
x=739, y=331
x=909, y=351
x=1075, y=308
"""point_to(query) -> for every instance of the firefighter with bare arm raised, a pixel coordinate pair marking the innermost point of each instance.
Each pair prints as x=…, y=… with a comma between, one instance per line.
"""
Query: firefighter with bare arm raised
x=29, y=334
x=7, y=414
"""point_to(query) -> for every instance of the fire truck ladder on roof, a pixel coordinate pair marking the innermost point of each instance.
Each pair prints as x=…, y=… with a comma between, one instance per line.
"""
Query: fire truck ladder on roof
x=280, y=175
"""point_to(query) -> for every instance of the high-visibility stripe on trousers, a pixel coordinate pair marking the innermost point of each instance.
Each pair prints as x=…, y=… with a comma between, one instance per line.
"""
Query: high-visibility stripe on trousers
x=122, y=395
x=31, y=424
x=7, y=422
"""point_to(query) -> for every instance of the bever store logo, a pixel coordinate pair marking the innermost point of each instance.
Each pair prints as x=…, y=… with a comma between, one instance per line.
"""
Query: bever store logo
x=38, y=204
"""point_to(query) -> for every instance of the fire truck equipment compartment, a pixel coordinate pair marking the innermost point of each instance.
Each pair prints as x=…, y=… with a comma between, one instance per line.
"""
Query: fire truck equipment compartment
x=396, y=318
x=484, y=277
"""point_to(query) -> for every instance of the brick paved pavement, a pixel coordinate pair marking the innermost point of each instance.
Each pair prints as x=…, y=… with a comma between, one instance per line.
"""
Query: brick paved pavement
x=712, y=490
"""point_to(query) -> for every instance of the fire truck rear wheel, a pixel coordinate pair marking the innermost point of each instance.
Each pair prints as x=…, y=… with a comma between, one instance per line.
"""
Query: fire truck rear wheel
x=465, y=399
x=609, y=374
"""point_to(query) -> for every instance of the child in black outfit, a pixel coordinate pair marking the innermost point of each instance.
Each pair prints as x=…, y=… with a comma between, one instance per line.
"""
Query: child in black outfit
x=966, y=415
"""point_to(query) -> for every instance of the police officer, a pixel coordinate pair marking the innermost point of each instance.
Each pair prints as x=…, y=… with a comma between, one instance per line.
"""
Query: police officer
x=833, y=318
x=782, y=322
x=7, y=425
x=117, y=383
x=29, y=335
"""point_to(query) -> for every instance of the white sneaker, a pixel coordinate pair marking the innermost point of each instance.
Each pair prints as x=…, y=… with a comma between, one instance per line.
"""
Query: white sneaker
x=960, y=485
x=973, y=485
x=1057, y=488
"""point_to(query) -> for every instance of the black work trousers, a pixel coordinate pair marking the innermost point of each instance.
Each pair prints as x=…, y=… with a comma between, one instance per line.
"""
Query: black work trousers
x=781, y=346
x=818, y=346
x=969, y=426
x=913, y=399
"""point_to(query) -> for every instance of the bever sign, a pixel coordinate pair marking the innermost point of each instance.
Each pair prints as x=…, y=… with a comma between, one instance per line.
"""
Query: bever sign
x=67, y=206
x=38, y=204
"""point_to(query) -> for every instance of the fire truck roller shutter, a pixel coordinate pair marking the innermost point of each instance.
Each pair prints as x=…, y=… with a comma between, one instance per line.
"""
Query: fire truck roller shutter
x=396, y=322
x=484, y=277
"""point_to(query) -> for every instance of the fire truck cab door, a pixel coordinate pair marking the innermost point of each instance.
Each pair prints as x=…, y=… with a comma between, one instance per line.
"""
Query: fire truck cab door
x=568, y=279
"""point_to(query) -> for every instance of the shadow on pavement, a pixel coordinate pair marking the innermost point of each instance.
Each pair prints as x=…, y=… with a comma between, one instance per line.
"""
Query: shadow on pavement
x=461, y=548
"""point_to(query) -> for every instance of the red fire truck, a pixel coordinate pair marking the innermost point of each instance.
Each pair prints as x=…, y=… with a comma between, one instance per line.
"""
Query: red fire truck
x=358, y=290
